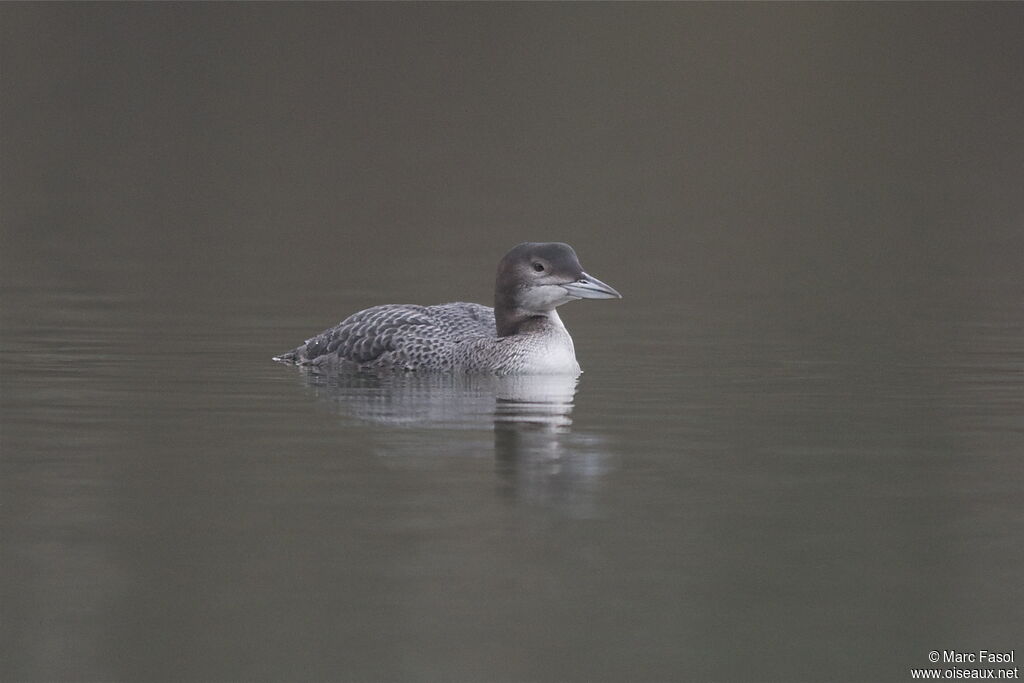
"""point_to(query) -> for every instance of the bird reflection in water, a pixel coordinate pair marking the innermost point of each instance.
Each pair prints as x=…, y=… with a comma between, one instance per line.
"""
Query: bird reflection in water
x=538, y=457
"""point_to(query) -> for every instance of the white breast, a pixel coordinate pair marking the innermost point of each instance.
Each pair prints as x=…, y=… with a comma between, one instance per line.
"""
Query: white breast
x=556, y=355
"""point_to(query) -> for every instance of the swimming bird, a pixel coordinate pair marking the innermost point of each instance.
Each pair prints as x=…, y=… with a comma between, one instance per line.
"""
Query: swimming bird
x=522, y=334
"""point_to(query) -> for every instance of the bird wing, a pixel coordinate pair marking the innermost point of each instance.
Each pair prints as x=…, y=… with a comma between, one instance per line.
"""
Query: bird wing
x=404, y=335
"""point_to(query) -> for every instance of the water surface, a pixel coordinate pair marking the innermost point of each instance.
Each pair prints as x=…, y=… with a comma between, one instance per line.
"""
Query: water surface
x=794, y=453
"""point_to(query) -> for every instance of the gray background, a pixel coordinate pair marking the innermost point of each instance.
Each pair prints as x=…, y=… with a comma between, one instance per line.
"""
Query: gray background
x=795, y=451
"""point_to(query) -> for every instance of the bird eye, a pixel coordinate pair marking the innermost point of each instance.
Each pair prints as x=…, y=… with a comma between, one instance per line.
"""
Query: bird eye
x=539, y=267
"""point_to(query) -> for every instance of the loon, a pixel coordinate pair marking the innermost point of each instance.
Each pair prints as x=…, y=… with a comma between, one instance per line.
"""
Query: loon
x=521, y=335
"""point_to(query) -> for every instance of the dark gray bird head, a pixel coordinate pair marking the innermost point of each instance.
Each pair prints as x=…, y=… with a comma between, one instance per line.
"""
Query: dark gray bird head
x=535, y=277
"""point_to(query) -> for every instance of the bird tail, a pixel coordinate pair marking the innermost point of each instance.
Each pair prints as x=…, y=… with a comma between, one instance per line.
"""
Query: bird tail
x=289, y=357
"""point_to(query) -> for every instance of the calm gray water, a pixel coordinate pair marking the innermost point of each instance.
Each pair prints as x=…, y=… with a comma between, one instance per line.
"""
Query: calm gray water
x=795, y=453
